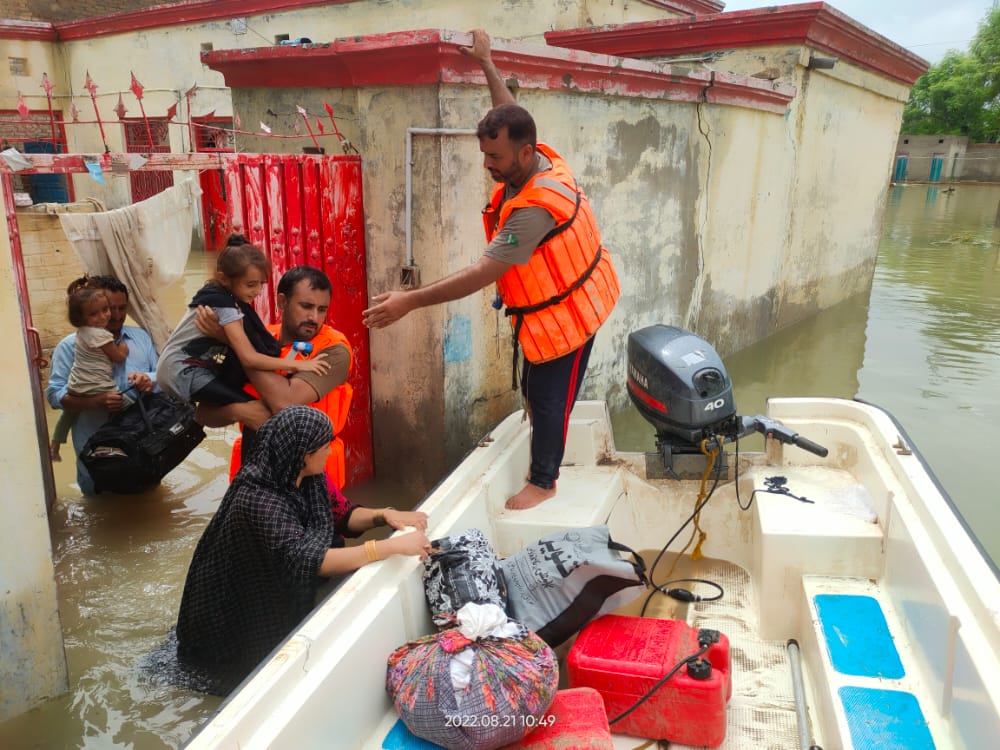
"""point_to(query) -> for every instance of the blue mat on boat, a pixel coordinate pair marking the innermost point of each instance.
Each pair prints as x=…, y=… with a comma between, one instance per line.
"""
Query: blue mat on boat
x=857, y=636
x=885, y=720
x=401, y=738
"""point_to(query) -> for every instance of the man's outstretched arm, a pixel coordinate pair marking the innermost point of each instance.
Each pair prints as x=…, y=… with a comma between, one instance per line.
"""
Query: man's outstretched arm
x=391, y=306
x=480, y=52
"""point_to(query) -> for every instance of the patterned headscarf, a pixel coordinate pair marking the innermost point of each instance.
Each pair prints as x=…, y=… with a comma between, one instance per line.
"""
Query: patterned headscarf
x=281, y=445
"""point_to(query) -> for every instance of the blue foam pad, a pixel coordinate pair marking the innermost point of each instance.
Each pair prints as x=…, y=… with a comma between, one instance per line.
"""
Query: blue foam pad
x=857, y=636
x=885, y=720
x=401, y=738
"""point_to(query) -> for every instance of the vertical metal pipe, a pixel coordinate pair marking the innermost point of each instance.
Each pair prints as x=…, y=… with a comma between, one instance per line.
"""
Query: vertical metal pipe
x=410, y=132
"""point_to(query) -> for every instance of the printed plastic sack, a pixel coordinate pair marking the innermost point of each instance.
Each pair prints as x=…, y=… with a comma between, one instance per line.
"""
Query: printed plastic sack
x=478, y=686
x=563, y=581
x=462, y=568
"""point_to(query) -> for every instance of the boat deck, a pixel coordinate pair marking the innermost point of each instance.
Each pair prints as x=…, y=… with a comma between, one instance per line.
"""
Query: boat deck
x=761, y=712
x=861, y=553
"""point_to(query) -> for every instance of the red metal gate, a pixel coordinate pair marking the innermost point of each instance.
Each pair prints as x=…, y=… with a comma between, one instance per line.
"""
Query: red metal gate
x=137, y=141
x=300, y=210
x=307, y=209
x=213, y=135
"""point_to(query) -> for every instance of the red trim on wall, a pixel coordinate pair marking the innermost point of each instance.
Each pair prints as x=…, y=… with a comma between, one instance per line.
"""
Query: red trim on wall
x=198, y=11
x=27, y=30
x=815, y=25
x=690, y=7
x=431, y=56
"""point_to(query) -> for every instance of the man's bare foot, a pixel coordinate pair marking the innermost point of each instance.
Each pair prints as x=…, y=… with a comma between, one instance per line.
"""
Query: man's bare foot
x=529, y=497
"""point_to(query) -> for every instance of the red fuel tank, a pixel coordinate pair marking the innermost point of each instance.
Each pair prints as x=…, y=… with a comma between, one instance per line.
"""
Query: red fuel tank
x=624, y=657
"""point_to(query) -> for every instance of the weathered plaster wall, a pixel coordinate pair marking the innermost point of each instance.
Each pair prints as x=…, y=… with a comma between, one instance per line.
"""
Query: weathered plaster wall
x=845, y=136
x=817, y=185
x=920, y=151
x=981, y=163
x=50, y=264
x=32, y=663
x=40, y=57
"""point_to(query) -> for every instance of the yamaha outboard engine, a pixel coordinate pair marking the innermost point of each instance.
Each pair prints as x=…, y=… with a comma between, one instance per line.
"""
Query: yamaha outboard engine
x=678, y=383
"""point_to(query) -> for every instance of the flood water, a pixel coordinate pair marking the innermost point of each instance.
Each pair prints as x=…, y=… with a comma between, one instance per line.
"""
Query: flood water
x=925, y=344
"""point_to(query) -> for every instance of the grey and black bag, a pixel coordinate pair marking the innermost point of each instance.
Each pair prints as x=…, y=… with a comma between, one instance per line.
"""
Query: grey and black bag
x=462, y=568
x=563, y=581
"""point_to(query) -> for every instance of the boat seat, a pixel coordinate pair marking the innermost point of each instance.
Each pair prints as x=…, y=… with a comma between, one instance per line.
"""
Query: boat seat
x=833, y=531
x=872, y=699
x=586, y=491
x=585, y=496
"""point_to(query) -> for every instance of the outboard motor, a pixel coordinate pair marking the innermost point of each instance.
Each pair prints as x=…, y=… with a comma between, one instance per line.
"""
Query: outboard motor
x=678, y=383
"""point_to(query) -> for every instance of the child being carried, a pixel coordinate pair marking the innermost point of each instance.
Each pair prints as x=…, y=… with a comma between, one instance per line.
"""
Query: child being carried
x=95, y=354
x=196, y=368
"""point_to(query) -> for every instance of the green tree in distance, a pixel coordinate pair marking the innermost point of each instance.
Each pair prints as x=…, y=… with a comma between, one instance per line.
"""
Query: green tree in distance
x=960, y=95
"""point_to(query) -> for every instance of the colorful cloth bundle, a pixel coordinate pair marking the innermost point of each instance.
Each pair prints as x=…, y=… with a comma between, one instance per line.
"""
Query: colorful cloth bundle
x=478, y=686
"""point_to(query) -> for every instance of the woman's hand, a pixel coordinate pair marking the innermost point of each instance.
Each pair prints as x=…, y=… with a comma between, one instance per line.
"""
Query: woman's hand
x=412, y=543
x=400, y=519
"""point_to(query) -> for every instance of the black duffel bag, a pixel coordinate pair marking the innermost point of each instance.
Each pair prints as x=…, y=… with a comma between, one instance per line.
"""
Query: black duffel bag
x=137, y=447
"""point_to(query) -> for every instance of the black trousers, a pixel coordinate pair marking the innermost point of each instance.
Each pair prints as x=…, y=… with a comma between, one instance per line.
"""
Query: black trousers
x=550, y=389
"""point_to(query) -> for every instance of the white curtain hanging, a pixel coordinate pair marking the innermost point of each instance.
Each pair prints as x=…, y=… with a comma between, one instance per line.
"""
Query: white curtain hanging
x=144, y=245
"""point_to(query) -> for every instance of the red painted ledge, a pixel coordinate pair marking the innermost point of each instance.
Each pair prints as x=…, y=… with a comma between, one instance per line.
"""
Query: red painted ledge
x=200, y=11
x=815, y=25
x=159, y=16
x=27, y=30
x=688, y=7
x=431, y=56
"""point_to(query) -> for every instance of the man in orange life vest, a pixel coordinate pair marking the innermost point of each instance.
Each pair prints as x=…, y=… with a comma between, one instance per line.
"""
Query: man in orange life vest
x=302, y=298
x=551, y=271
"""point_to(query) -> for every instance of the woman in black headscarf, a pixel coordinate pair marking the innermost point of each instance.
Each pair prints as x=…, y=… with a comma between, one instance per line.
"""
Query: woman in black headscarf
x=257, y=567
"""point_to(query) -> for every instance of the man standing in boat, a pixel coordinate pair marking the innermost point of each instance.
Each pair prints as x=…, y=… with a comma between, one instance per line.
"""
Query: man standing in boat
x=303, y=299
x=551, y=271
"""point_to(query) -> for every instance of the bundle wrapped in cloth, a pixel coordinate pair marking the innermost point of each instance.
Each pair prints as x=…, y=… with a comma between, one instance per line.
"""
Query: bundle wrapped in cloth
x=462, y=568
x=478, y=686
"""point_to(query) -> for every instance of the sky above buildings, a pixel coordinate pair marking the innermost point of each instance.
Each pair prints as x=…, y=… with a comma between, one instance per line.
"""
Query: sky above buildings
x=928, y=28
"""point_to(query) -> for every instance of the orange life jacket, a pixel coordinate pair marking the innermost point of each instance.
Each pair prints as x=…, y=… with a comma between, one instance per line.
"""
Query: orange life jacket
x=559, y=299
x=334, y=404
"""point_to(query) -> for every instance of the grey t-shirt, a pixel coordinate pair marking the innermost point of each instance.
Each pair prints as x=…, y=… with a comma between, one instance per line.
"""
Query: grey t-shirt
x=525, y=228
x=173, y=374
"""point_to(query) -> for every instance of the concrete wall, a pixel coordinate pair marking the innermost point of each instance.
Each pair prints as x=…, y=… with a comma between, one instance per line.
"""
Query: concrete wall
x=32, y=662
x=980, y=163
x=50, y=264
x=817, y=184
